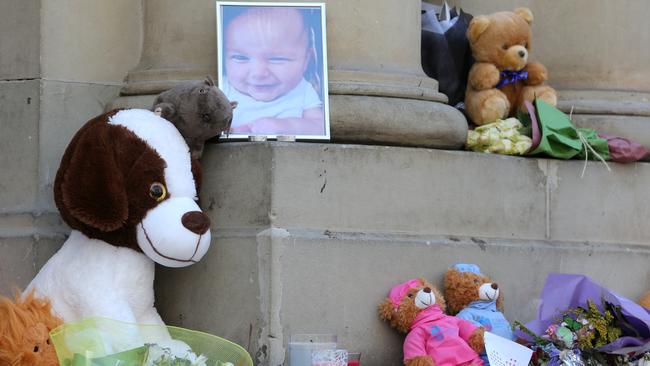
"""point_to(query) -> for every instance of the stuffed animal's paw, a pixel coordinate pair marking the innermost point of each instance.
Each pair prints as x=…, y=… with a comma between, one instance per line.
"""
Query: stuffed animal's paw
x=484, y=76
x=476, y=340
x=537, y=73
x=420, y=361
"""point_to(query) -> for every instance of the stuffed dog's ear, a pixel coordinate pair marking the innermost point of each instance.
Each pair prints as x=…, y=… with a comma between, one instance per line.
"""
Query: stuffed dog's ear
x=197, y=173
x=89, y=183
x=386, y=310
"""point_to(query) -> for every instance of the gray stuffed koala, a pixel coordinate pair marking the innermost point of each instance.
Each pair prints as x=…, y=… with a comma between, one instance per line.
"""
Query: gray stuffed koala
x=198, y=109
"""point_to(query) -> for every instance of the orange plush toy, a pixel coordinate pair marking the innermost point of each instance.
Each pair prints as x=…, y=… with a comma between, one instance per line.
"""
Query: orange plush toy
x=645, y=300
x=25, y=325
x=503, y=77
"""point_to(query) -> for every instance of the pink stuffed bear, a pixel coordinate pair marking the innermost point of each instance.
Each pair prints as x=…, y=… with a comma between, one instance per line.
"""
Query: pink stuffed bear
x=417, y=308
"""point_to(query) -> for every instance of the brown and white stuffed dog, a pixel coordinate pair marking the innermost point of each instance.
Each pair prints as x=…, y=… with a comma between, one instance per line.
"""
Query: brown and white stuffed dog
x=128, y=189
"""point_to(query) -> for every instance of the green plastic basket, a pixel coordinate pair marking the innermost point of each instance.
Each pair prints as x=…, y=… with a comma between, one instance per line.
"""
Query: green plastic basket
x=107, y=342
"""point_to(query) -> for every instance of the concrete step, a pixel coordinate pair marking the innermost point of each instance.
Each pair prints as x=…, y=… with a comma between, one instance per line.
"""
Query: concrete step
x=308, y=238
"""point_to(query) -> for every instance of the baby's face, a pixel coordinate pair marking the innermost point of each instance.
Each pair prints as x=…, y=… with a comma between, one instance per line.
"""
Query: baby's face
x=266, y=53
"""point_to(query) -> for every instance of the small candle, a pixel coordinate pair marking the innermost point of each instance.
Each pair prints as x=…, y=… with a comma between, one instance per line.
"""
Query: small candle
x=302, y=345
x=354, y=359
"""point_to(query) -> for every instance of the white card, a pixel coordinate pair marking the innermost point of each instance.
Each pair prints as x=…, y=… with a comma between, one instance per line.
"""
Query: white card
x=504, y=352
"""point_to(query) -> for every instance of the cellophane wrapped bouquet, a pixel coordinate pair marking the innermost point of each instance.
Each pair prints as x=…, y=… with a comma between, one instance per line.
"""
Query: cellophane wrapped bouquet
x=106, y=342
x=580, y=323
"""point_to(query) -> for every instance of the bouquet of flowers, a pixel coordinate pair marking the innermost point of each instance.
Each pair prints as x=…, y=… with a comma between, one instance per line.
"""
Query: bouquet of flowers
x=614, y=331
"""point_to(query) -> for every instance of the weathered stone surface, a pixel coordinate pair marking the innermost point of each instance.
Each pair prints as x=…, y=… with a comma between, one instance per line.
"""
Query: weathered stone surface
x=22, y=257
x=20, y=39
x=604, y=102
x=19, y=139
x=90, y=42
x=393, y=121
x=391, y=189
x=602, y=206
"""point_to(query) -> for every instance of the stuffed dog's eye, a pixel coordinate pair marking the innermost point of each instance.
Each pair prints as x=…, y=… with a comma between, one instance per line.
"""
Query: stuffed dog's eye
x=35, y=349
x=410, y=295
x=157, y=191
x=205, y=117
x=505, y=46
x=202, y=91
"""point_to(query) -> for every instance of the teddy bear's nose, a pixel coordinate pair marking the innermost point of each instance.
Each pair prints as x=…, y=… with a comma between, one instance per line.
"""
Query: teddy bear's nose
x=495, y=286
x=522, y=54
x=427, y=290
x=196, y=222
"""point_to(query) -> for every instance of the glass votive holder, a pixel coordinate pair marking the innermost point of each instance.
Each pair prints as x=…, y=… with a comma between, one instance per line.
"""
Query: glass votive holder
x=302, y=345
x=354, y=359
x=329, y=357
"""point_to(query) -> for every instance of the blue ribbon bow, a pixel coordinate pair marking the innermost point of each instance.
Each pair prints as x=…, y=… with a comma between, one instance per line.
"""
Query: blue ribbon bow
x=511, y=77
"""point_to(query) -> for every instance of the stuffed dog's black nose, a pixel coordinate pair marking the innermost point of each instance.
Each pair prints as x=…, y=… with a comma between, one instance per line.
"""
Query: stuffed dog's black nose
x=522, y=54
x=196, y=222
x=427, y=290
x=495, y=286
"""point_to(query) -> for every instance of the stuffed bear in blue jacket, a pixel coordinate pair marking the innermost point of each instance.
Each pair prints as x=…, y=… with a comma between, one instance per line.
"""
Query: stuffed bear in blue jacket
x=473, y=296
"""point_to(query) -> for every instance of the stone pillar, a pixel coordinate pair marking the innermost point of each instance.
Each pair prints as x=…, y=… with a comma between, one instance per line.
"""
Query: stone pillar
x=179, y=44
x=373, y=61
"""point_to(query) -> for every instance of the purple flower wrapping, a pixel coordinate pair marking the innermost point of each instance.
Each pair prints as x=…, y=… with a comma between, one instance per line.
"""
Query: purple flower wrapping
x=568, y=291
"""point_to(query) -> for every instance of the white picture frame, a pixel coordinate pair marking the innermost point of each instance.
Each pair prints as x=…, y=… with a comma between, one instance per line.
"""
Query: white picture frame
x=260, y=65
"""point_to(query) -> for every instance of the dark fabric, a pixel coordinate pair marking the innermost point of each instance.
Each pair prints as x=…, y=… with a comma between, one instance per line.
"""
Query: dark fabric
x=447, y=58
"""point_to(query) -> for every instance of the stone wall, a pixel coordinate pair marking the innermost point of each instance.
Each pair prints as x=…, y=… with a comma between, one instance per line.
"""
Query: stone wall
x=310, y=237
x=61, y=62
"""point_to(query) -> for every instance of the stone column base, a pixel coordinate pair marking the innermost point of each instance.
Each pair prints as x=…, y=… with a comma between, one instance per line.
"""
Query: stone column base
x=375, y=120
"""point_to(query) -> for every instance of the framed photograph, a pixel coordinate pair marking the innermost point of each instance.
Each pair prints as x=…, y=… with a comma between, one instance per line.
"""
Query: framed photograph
x=273, y=63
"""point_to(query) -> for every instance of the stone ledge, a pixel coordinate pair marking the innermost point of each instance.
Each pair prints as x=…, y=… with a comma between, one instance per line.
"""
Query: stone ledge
x=15, y=225
x=422, y=191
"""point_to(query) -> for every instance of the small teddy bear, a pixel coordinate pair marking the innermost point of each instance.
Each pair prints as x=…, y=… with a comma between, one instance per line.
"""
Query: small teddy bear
x=502, y=77
x=473, y=296
x=416, y=307
x=25, y=324
x=198, y=109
